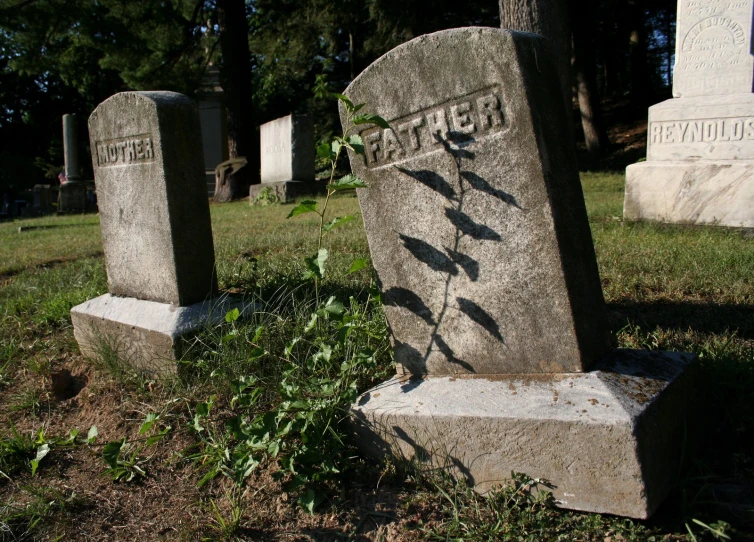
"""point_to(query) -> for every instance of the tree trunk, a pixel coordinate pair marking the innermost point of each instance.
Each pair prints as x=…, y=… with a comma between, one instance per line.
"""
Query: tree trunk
x=550, y=19
x=235, y=77
x=585, y=68
x=641, y=86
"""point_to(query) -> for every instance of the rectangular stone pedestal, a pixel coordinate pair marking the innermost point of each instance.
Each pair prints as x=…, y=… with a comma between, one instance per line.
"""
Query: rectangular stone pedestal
x=717, y=193
x=145, y=335
x=287, y=191
x=609, y=441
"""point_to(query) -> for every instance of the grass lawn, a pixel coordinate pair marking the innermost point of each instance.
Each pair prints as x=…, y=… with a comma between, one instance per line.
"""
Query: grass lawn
x=248, y=438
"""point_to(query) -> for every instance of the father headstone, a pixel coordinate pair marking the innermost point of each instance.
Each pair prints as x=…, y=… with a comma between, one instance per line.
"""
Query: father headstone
x=479, y=235
x=156, y=231
x=287, y=157
x=700, y=145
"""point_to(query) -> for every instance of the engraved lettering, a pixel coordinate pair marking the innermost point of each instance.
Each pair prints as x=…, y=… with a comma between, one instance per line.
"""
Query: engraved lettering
x=656, y=132
x=738, y=131
x=437, y=124
x=479, y=113
x=125, y=151
x=373, y=146
x=131, y=150
x=461, y=119
x=749, y=129
x=683, y=126
x=391, y=144
x=489, y=112
x=667, y=133
x=722, y=136
x=710, y=131
x=410, y=128
x=696, y=131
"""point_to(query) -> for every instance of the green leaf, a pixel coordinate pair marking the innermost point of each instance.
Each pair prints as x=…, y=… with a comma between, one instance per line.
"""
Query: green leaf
x=348, y=182
x=357, y=265
x=324, y=151
x=111, y=452
x=348, y=103
x=336, y=145
x=256, y=353
x=92, y=435
x=337, y=221
x=148, y=422
x=310, y=500
x=306, y=206
x=289, y=347
x=355, y=143
x=229, y=336
x=42, y=451
x=232, y=316
x=316, y=264
x=311, y=324
x=154, y=438
x=357, y=107
x=369, y=118
x=333, y=306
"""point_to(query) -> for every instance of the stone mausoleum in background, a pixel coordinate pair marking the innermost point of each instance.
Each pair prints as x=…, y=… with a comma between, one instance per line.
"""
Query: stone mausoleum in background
x=700, y=144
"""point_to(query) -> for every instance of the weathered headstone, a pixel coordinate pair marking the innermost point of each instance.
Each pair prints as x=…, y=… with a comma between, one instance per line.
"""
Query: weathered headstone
x=156, y=231
x=287, y=156
x=479, y=235
x=700, y=145
x=42, y=203
x=72, y=198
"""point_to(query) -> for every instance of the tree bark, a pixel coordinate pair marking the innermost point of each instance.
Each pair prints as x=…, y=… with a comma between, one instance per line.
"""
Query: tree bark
x=550, y=19
x=235, y=78
x=585, y=68
x=641, y=86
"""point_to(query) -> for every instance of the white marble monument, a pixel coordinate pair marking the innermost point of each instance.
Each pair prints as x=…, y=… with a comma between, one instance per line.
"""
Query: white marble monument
x=700, y=144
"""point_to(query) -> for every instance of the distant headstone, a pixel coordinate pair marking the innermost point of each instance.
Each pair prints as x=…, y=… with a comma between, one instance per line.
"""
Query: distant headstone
x=287, y=156
x=72, y=195
x=700, y=145
x=478, y=232
x=156, y=231
x=42, y=202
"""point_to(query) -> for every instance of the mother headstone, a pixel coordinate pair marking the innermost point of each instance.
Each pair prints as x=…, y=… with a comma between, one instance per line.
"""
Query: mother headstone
x=478, y=232
x=156, y=231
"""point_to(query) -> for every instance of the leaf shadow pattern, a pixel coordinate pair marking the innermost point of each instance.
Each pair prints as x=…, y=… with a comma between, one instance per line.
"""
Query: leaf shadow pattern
x=448, y=262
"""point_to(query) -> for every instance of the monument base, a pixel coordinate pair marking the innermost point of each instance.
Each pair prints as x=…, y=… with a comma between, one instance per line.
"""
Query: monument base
x=287, y=191
x=144, y=335
x=72, y=197
x=719, y=193
x=608, y=441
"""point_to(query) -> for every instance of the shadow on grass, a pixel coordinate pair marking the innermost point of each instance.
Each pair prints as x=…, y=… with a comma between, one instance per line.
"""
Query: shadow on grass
x=682, y=316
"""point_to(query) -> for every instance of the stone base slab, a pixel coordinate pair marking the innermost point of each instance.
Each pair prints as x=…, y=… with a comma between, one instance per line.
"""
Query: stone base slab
x=719, y=193
x=287, y=191
x=145, y=335
x=608, y=441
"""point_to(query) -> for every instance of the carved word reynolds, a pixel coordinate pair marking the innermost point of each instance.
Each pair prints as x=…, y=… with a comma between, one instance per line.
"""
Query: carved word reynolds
x=125, y=150
x=702, y=131
x=476, y=115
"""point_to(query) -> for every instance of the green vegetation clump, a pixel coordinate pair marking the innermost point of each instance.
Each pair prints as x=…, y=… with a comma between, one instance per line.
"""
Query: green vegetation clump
x=254, y=424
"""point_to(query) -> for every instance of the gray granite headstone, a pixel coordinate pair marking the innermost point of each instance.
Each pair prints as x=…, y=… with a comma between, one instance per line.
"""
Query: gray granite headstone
x=478, y=232
x=154, y=212
x=287, y=157
x=474, y=211
x=156, y=231
x=700, y=144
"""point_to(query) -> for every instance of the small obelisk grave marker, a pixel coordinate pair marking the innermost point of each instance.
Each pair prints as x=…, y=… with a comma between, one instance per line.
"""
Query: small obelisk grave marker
x=156, y=230
x=700, y=144
x=478, y=232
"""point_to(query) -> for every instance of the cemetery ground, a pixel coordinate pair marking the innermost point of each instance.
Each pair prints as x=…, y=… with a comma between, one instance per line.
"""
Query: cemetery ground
x=182, y=472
